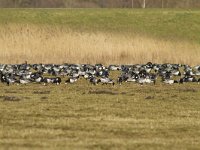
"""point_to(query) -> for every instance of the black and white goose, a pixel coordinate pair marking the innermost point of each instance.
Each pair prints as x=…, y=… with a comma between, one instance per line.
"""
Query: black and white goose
x=146, y=81
x=23, y=81
x=71, y=80
x=56, y=80
x=106, y=81
x=8, y=80
x=170, y=81
x=93, y=80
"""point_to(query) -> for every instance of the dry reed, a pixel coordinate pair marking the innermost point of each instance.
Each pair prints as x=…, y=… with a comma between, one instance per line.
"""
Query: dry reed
x=54, y=44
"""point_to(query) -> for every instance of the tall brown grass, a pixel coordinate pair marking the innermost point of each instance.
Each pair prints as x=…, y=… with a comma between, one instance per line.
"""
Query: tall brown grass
x=54, y=44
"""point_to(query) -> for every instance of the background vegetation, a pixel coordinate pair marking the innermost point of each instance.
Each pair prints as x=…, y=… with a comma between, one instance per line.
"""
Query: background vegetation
x=99, y=36
x=169, y=23
x=101, y=3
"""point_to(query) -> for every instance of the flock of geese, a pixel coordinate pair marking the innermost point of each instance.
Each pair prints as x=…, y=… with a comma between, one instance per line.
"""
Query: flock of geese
x=95, y=74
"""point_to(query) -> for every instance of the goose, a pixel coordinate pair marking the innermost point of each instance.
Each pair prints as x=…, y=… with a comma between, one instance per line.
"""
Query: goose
x=131, y=79
x=75, y=75
x=198, y=81
x=47, y=80
x=141, y=80
x=2, y=67
x=93, y=80
x=114, y=68
x=197, y=67
x=106, y=81
x=190, y=79
x=102, y=73
x=187, y=79
x=56, y=80
x=149, y=64
x=148, y=80
x=71, y=80
x=197, y=73
x=81, y=73
x=170, y=81
x=87, y=76
x=99, y=67
x=182, y=80
x=145, y=80
x=189, y=73
x=120, y=80
x=11, y=81
x=93, y=72
x=53, y=72
x=36, y=77
x=24, y=81
x=39, y=79
x=56, y=68
x=8, y=80
x=176, y=73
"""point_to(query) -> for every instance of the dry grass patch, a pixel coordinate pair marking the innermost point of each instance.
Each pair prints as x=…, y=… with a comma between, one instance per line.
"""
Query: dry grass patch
x=54, y=44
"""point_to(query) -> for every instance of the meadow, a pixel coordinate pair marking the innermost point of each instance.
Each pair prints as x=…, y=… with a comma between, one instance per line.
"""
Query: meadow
x=84, y=116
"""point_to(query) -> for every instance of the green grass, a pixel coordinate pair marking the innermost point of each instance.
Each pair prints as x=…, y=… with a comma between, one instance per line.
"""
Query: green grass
x=162, y=23
x=82, y=116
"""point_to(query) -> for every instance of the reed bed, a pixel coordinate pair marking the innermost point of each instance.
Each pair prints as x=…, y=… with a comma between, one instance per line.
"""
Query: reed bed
x=56, y=44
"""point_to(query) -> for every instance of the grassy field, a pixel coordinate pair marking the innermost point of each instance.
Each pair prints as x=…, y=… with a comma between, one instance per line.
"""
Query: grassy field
x=99, y=36
x=82, y=116
x=169, y=23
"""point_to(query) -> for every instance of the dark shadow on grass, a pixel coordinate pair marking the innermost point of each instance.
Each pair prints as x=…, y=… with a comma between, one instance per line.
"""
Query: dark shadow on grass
x=41, y=92
x=188, y=90
x=9, y=98
x=10, y=92
x=103, y=92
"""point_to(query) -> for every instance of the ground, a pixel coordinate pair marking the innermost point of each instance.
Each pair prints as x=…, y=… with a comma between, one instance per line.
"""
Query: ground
x=83, y=116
